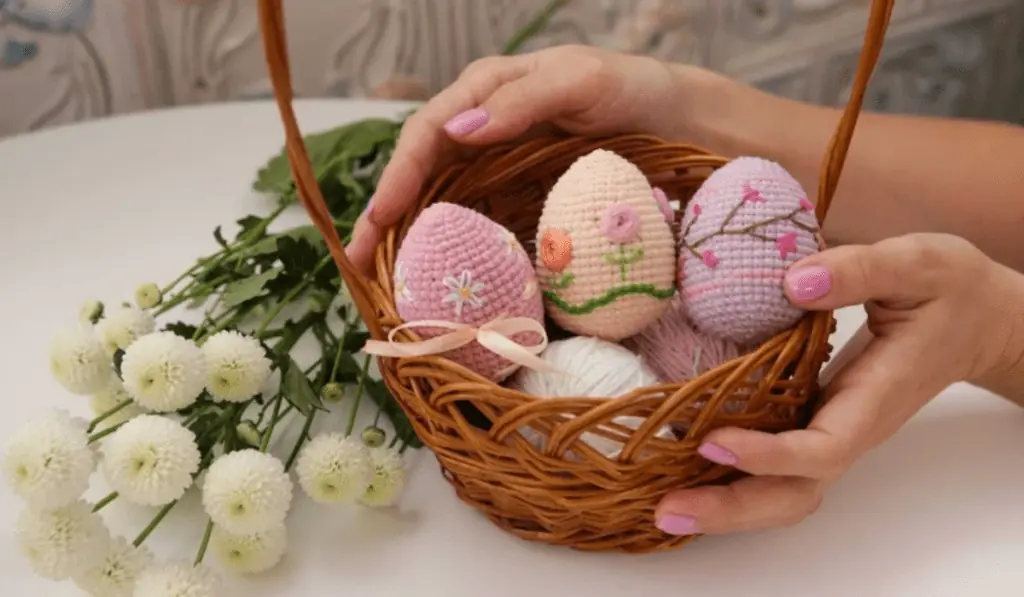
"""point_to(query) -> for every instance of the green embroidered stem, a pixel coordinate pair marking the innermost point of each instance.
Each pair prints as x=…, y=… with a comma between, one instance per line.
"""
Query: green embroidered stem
x=609, y=297
x=561, y=283
x=624, y=260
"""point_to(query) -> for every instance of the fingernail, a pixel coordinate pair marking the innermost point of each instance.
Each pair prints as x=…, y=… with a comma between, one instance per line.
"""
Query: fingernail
x=369, y=205
x=808, y=283
x=677, y=524
x=717, y=454
x=467, y=122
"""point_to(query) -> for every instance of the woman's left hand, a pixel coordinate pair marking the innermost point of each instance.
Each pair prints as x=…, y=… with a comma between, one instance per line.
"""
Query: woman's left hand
x=937, y=313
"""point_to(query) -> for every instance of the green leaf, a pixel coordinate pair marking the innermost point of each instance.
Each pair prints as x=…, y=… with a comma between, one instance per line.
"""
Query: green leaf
x=182, y=329
x=298, y=256
x=247, y=224
x=118, y=357
x=349, y=370
x=354, y=341
x=240, y=291
x=296, y=389
x=219, y=237
x=326, y=150
x=379, y=393
x=268, y=245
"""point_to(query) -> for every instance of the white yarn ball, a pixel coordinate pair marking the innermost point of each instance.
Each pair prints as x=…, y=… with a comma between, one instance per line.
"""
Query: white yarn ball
x=588, y=367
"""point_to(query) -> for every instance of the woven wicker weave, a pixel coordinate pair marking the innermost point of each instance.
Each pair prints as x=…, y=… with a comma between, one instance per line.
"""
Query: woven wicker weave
x=588, y=502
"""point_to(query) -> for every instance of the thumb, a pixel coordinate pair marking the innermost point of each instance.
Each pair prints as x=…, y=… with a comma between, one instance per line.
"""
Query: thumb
x=906, y=270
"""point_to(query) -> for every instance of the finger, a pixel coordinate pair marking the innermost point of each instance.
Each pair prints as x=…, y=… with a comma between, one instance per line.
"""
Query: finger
x=752, y=503
x=542, y=96
x=365, y=238
x=845, y=427
x=424, y=136
x=905, y=271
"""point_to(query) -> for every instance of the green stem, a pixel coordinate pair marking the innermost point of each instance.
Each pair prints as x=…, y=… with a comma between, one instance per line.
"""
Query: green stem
x=534, y=27
x=106, y=415
x=265, y=442
x=359, y=395
x=205, y=542
x=104, y=502
x=300, y=441
x=196, y=292
x=146, y=532
x=102, y=434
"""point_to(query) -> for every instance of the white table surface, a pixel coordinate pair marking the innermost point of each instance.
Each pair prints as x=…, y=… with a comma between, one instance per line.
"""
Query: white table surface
x=91, y=211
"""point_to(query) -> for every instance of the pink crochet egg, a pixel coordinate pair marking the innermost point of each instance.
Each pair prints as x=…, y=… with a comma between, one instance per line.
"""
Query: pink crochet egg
x=676, y=351
x=457, y=265
x=742, y=229
x=605, y=250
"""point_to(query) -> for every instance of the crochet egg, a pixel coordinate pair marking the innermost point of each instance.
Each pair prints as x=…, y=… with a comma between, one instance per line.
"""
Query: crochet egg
x=605, y=249
x=742, y=229
x=457, y=265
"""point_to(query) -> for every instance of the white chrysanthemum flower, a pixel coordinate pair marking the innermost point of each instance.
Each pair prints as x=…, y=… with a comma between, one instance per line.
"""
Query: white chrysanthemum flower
x=123, y=326
x=247, y=492
x=90, y=312
x=48, y=461
x=150, y=460
x=110, y=397
x=148, y=295
x=177, y=579
x=236, y=366
x=60, y=542
x=78, y=361
x=163, y=372
x=333, y=469
x=249, y=554
x=116, y=571
x=388, y=478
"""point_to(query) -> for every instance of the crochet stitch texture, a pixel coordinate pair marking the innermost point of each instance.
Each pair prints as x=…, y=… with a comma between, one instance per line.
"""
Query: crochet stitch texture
x=458, y=265
x=606, y=254
x=742, y=229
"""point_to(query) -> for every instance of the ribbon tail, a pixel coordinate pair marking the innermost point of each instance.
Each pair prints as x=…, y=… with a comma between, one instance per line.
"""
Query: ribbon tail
x=507, y=348
x=433, y=346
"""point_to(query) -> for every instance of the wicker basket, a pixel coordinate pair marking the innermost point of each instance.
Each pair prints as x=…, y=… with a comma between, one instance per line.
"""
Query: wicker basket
x=588, y=502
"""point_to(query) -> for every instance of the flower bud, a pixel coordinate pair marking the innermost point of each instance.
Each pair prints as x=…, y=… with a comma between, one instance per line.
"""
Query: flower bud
x=332, y=392
x=91, y=311
x=148, y=296
x=373, y=436
x=248, y=433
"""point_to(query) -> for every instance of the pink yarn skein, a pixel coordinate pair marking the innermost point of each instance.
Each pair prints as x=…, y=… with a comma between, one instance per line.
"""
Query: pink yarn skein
x=741, y=231
x=676, y=351
x=458, y=265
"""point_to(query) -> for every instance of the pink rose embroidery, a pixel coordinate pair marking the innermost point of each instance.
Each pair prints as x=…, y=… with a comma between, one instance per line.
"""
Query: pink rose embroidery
x=710, y=259
x=620, y=223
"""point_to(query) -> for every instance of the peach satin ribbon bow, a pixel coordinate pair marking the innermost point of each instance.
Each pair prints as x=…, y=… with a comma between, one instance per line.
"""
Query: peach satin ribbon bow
x=494, y=335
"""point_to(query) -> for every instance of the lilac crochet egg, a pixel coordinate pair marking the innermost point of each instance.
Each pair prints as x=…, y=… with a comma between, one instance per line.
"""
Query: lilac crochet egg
x=742, y=229
x=605, y=250
x=458, y=265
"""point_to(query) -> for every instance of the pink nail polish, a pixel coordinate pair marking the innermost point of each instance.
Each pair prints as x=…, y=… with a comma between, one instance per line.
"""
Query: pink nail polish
x=808, y=283
x=467, y=122
x=717, y=454
x=677, y=524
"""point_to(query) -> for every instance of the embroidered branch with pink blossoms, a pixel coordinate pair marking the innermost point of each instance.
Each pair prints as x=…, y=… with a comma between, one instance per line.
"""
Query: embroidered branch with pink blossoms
x=785, y=243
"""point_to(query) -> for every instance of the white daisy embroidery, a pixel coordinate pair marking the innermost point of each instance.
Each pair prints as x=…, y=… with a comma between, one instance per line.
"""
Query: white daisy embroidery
x=510, y=241
x=401, y=288
x=463, y=290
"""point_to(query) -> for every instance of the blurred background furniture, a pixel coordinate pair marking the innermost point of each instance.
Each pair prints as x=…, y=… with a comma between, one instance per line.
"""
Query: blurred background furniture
x=69, y=60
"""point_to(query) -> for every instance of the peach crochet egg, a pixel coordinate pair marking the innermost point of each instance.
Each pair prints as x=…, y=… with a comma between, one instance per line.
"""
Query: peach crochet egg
x=742, y=229
x=605, y=250
x=457, y=265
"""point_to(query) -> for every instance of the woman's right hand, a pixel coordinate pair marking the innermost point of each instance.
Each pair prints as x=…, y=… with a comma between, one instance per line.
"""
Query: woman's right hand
x=576, y=88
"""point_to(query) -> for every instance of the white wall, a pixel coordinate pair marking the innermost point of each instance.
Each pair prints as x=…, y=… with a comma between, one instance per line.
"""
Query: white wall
x=98, y=57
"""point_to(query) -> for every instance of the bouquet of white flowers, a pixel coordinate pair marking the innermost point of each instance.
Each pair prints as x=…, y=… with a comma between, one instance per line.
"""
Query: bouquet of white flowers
x=194, y=402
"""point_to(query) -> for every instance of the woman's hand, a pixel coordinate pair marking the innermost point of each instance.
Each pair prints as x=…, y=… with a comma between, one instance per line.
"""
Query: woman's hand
x=938, y=312
x=578, y=89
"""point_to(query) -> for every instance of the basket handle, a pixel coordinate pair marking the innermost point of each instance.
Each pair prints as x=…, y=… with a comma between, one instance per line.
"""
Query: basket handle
x=275, y=47
x=838, y=147
x=308, y=191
